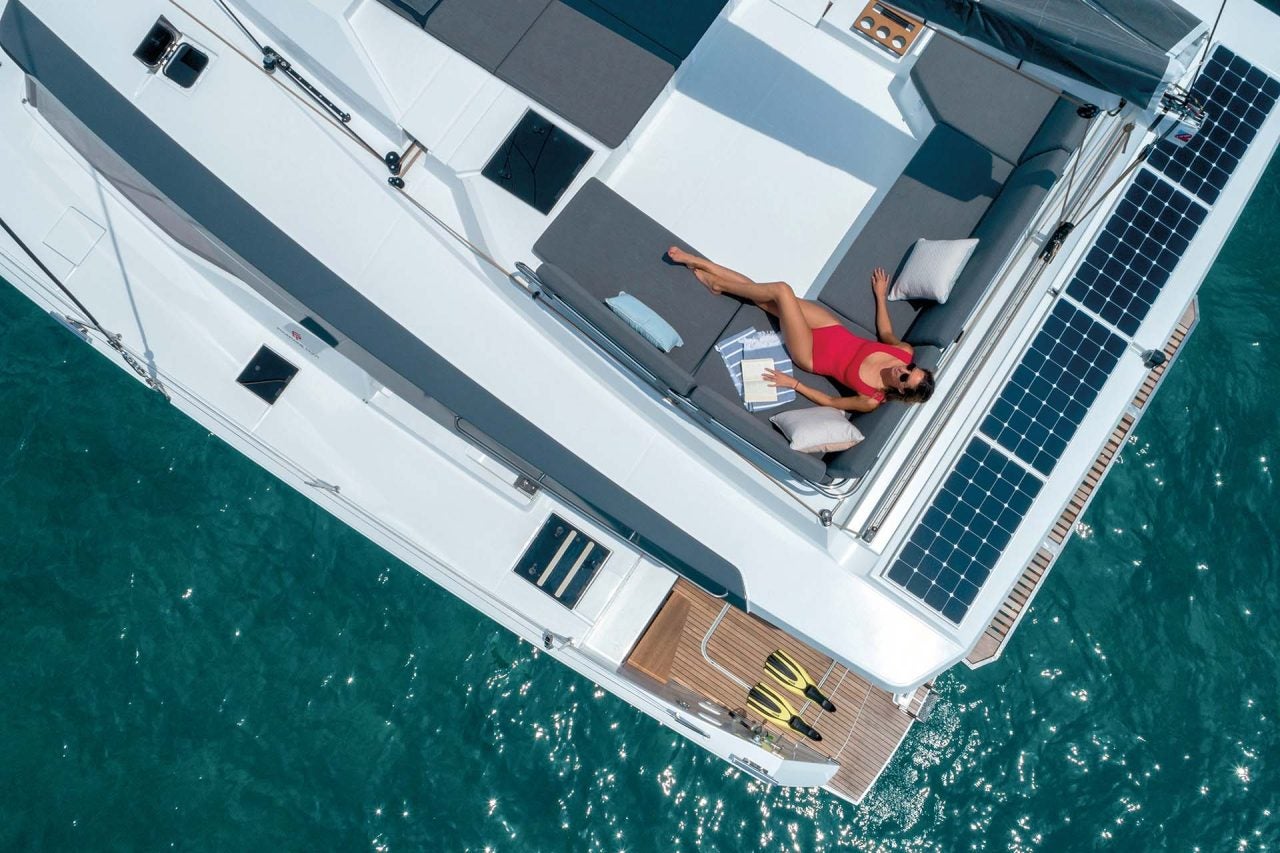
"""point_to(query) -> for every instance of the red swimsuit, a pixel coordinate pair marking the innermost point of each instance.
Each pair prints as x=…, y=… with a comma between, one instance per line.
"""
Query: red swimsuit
x=839, y=353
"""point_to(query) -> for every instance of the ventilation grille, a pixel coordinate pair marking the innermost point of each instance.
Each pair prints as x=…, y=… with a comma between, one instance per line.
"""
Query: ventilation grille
x=561, y=561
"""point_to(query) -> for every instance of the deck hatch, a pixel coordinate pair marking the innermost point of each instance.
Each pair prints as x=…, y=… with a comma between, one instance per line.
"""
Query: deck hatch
x=1237, y=97
x=267, y=375
x=156, y=43
x=1137, y=251
x=966, y=528
x=561, y=561
x=537, y=162
x=186, y=66
x=1053, y=386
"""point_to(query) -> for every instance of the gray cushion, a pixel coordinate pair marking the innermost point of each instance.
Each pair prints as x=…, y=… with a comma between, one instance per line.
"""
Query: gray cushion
x=761, y=435
x=415, y=10
x=941, y=195
x=484, y=31
x=594, y=77
x=1062, y=129
x=713, y=375
x=981, y=98
x=589, y=306
x=877, y=427
x=606, y=244
x=997, y=233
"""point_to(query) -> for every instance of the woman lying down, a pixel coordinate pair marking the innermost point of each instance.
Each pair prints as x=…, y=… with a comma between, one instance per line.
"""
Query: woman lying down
x=818, y=343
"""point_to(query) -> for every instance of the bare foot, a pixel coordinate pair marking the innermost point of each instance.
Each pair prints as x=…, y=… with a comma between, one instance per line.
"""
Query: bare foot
x=707, y=281
x=680, y=256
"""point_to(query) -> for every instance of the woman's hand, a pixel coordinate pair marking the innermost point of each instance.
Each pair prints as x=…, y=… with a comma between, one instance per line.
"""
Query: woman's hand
x=780, y=380
x=880, y=283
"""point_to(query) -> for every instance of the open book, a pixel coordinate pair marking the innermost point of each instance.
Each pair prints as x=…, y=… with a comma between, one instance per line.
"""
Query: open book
x=754, y=387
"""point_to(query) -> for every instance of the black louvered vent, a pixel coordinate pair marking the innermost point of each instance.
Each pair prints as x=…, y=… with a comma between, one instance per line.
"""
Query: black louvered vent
x=561, y=561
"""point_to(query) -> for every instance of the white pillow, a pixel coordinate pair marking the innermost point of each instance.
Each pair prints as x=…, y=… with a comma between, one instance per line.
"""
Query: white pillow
x=820, y=429
x=932, y=269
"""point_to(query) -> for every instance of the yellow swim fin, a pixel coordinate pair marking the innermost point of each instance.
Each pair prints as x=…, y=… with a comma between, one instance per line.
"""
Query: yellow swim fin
x=793, y=676
x=765, y=701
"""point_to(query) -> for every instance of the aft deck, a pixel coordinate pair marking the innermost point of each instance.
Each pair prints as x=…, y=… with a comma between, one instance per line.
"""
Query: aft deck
x=718, y=652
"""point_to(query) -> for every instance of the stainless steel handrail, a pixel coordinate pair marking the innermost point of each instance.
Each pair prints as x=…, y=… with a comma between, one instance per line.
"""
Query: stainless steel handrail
x=1004, y=321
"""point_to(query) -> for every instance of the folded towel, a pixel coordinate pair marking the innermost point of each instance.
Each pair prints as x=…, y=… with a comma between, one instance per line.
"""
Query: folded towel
x=752, y=343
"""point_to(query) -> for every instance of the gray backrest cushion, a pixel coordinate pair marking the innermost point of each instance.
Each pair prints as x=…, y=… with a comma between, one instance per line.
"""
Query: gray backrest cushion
x=941, y=195
x=877, y=427
x=594, y=77
x=607, y=245
x=1062, y=129
x=415, y=10
x=989, y=102
x=599, y=315
x=761, y=435
x=713, y=374
x=484, y=31
x=998, y=233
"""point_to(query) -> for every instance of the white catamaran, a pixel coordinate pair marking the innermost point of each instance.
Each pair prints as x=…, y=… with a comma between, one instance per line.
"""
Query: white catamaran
x=379, y=247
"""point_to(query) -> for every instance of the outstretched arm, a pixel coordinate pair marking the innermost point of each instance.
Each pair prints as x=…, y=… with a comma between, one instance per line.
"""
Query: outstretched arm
x=847, y=404
x=884, y=326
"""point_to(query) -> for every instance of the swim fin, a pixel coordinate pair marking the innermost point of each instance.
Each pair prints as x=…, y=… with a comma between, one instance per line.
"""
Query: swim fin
x=766, y=702
x=788, y=670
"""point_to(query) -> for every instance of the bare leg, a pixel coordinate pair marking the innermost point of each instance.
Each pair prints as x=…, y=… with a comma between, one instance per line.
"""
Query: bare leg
x=719, y=278
x=796, y=331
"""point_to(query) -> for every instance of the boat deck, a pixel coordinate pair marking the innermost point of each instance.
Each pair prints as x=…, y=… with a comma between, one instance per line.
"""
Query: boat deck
x=1006, y=619
x=719, y=652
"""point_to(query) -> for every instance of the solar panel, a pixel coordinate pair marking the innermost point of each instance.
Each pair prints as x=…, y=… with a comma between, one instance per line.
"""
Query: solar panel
x=1237, y=98
x=964, y=531
x=1139, y=247
x=1053, y=386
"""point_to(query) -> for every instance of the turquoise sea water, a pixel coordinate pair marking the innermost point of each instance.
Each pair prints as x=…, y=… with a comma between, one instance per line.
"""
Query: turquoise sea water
x=195, y=657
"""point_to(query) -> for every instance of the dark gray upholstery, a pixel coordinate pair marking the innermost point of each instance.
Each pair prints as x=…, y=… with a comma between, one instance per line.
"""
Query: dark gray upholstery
x=941, y=195
x=589, y=74
x=981, y=98
x=484, y=31
x=590, y=65
x=714, y=375
x=415, y=10
x=1062, y=130
x=607, y=245
x=599, y=315
x=729, y=412
x=998, y=232
x=954, y=187
x=877, y=428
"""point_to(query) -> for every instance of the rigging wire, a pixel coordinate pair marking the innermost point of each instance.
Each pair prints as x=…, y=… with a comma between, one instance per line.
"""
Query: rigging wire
x=325, y=114
x=113, y=340
x=1207, y=44
x=331, y=114
x=333, y=119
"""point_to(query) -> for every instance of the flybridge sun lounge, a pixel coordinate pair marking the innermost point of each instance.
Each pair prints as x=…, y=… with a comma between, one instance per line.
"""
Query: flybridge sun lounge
x=396, y=223
x=1000, y=143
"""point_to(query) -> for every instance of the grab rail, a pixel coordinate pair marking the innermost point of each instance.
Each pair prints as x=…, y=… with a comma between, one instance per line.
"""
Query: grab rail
x=1004, y=321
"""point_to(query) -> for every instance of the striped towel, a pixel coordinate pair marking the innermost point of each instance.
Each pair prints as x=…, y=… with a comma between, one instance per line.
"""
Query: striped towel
x=751, y=343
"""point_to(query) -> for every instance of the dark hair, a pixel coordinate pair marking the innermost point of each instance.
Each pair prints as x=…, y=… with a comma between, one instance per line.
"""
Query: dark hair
x=919, y=394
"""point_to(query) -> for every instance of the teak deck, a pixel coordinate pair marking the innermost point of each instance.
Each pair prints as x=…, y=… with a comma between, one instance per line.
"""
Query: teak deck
x=862, y=735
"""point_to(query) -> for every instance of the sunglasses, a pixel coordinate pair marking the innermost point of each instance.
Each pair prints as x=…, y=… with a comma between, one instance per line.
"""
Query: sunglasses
x=903, y=377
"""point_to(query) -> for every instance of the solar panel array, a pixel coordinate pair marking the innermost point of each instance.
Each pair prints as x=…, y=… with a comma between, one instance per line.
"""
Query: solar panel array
x=1053, y=386
x=963, y=533
x=1136, y=252
x=1237, y=97
x=987, y=493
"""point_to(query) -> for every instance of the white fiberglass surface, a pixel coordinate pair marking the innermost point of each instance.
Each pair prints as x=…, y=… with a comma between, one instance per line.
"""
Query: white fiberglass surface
x=774, y=139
